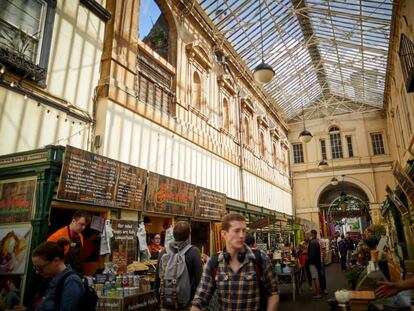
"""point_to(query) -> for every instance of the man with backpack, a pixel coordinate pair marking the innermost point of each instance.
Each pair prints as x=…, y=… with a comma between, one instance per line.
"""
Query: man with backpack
x=240, y=281
x=178, y=271
x=65, y=289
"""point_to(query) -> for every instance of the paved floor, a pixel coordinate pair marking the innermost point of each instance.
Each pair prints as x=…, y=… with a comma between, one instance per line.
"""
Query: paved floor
x=335, y=280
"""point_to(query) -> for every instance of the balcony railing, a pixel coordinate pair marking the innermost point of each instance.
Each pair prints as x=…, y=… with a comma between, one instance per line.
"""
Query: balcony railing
x=18, y=52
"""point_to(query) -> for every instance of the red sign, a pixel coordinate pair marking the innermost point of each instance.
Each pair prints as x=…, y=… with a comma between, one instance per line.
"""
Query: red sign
x=16, y=200
x=168, y=195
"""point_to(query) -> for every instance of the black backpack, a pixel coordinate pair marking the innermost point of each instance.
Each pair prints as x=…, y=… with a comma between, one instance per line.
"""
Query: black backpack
x=258, y=267
x=89, y=299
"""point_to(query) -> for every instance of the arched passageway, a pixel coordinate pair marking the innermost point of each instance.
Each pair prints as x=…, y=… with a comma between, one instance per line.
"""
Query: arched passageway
x=343, y=207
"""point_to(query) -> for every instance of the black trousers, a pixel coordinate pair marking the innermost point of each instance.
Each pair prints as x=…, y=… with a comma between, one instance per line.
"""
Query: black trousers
x=343, y=262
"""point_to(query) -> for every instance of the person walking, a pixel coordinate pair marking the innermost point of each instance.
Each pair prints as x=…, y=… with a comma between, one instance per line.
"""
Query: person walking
x=314, y=260
x=234, y=276
x=48, y=261
x=73, y=234
x=181, y=233
x=321, y=271
x=342, y=252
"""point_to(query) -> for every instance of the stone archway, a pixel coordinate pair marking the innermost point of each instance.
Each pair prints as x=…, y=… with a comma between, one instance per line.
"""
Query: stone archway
x=345, y=200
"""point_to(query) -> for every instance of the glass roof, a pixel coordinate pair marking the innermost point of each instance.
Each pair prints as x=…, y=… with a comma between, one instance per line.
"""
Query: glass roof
x=324, y=52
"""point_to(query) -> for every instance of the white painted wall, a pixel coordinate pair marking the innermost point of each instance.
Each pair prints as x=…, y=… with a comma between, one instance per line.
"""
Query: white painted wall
x=73, y=73
x=145, y=144
x=266, y=194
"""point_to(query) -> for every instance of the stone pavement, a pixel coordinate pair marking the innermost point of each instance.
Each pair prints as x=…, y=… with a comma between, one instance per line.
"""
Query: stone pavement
x=335, y=280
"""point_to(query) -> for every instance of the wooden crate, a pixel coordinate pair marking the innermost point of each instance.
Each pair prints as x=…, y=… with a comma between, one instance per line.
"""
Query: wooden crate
x=359, y=300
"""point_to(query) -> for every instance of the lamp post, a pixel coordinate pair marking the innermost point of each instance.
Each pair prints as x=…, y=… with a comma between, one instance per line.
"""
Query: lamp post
x=263, y=73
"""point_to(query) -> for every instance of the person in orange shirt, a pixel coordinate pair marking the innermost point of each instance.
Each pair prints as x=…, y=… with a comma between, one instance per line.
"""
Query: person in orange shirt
x=155, y=247
x=72, y=233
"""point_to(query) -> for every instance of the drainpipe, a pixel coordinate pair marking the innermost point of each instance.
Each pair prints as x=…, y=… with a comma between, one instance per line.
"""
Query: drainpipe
x=238, y=99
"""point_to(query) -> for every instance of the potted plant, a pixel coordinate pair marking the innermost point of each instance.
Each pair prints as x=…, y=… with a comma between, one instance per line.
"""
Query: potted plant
x=353, y=276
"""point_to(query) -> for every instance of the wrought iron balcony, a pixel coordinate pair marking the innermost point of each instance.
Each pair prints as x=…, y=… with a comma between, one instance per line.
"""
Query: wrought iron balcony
x=18, y=64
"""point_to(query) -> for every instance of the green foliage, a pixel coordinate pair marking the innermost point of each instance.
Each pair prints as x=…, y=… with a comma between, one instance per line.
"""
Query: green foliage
x=158, y=36
x=353, y=275
x=377, y=230
x=18, y=41
x=355, y=226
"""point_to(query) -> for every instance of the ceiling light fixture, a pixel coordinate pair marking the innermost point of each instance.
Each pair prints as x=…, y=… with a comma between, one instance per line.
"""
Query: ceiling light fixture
x=263, y=73
x=322, y=164
x=305, y=136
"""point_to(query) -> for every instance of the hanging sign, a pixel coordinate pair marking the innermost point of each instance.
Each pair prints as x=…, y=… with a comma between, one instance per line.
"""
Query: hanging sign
x=17, y=200
x=168, y=195
x=209, y=204
x=93, y=179
x=404, y=181
x=124, y=243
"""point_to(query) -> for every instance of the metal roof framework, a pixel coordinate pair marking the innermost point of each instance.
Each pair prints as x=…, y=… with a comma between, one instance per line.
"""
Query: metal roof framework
x=329, y=55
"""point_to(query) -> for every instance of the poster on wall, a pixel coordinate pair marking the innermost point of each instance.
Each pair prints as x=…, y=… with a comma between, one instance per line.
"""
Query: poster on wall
x=209, y=204
x=94, y=179
x=17, y=200
x=124, y=243
x=168, y=195
x=14, y=248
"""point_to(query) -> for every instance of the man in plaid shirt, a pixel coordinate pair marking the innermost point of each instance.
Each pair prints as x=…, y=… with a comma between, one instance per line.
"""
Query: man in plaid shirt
x=235, y=280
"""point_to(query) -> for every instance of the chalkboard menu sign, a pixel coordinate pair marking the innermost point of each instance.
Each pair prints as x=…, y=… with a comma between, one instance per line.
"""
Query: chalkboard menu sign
x=124, y=242
x=405, y=182
x=209, y=204
x=168, y=195
x=90, y=178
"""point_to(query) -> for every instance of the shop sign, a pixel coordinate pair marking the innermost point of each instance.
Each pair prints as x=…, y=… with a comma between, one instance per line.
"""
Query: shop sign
x=209, y=204
x=405, y=182
x=93, y=179
x=396, y=200
x=17, y=199
x=109, y=304
x=263, y=222
x=168, y=195
x=142, y=302
x=15, y=160
x=347, y=213
x=124, y=242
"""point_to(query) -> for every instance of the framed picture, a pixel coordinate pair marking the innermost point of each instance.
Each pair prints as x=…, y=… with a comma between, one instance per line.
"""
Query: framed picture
x=14, y=248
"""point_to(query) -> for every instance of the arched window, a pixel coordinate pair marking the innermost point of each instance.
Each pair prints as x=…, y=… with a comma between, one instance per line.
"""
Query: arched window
x=274, y=153
x=336, y=144
x=155, y=35
x=196, y=98
x=226, y=114
x=262, y=144
x=246, y=131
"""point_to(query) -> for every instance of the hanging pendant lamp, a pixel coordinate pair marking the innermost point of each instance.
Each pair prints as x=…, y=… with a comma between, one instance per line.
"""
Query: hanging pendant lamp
x=322, y=164
x=263, y=73
x=305, y=136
